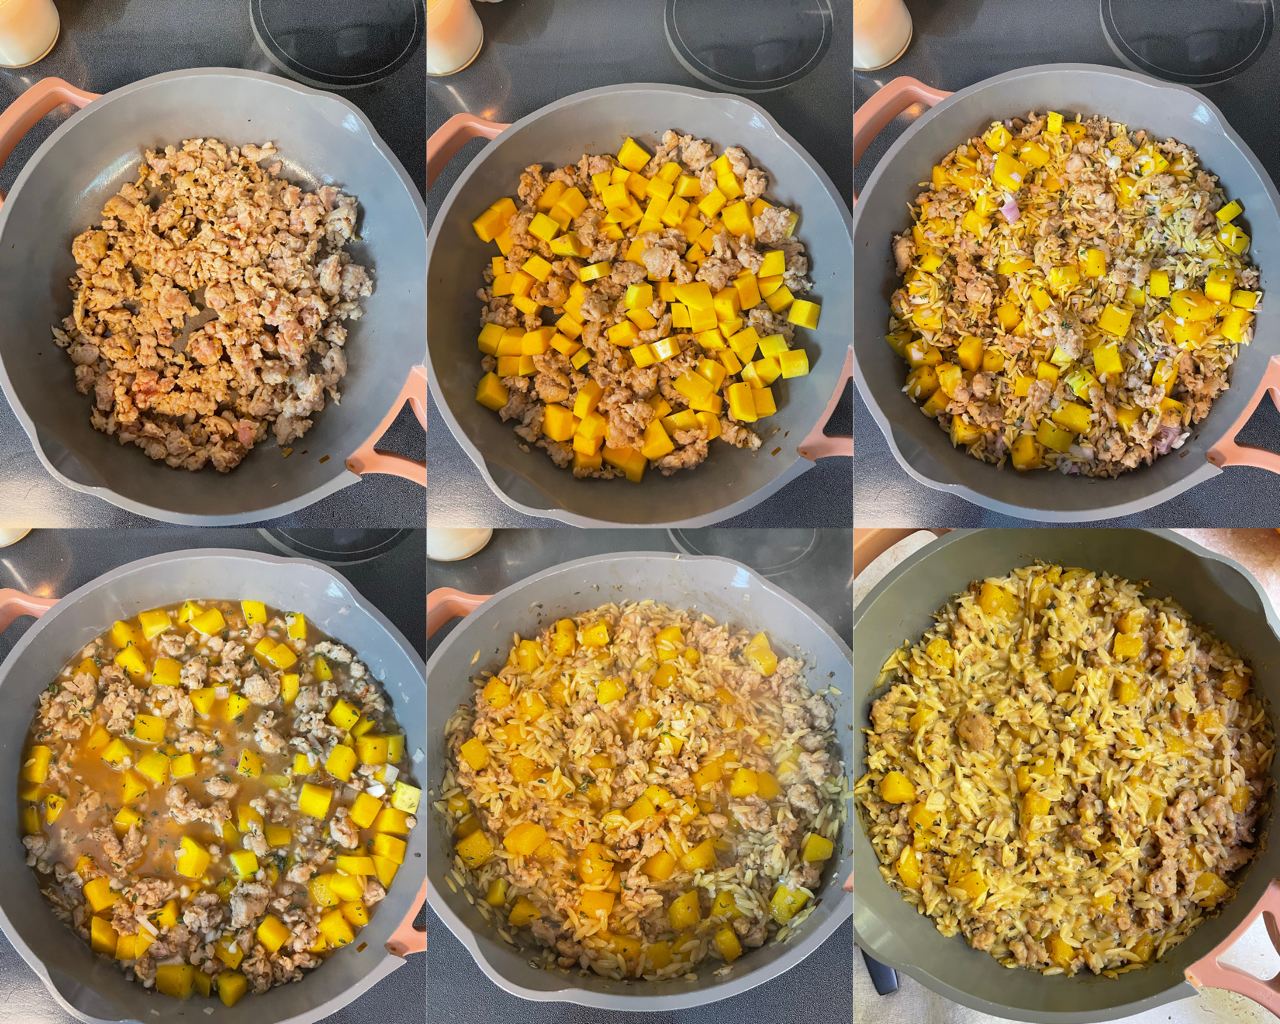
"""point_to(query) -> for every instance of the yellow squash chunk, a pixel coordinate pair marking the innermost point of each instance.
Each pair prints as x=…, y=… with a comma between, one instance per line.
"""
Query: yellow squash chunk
x=336, y=928
x=131, y=660
x=99, y=894
x=786, y=903
x=726, y=943
x=102, y=937
x=523, y=838
x=36, y=767
x=685, y=911
x=491, y=392
x=522, y=912
x=192, y=858
x=209, y=622
x=817, y=848
x=231, y=986
x=701, y=858
x=610, y=690
x=341, y=762
x=744, y=782
x=245, y=862
x=594, y=903
x=153, y=623
x=116, y=753
x=314, y=800
x=1072, y=416
x=154, y=765
x=250, y=764
x=273, y=932
x=235, y=707
x=896, y=788
x=343, y=715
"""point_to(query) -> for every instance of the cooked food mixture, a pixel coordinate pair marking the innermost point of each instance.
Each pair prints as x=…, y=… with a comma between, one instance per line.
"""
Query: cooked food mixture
x=1067, y=773
x=1073, y=295
x=208, y=305
x=619, y=336
x=216, y=796
x=645, y=791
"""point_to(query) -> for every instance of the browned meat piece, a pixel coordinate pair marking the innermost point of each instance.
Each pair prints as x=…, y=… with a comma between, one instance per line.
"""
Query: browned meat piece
x=975, y=728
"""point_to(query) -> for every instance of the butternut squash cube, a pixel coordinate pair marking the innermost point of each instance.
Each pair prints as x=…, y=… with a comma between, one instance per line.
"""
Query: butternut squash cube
x=209, y=622
x=522, y=912
x=192, y=859
x=336, y=928
x=102, y=937
x=313, y=801
x=685, y=911
x=148, y=728
x=491, y=392
x=99, y=894
x=232, y=985
x=786, y=903
x=117, y=753
x=153, y=623
x=896, y=788
x=610, y=690
x=155, y=766
x=522, y=838
x=700, y=858
x=343, y=715
x=131, y=660
x=250, y=764
x=246, y=864
x=817, y=848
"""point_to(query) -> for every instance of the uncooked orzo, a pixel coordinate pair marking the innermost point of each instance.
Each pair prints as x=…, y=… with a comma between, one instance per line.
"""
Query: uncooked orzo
x=644, y=791
x=1066, y=772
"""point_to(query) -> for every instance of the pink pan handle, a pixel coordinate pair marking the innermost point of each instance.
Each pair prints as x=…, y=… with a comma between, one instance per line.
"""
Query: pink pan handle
x=406, y=938
x=452, y=136
x=886, y=104
x=445, y=603
x=1208, y=973
x=14, y=604
x=46, y=95
x=366, y=459
x=1226, y=452
x=819, y=445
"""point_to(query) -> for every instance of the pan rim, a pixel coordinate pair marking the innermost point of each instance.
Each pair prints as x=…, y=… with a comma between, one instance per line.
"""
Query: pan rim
x=798, y=466
x=641, y=1002
x=965, y=491
x=342, y=476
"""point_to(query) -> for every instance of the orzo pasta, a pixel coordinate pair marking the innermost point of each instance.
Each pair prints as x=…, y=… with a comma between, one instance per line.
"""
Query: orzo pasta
x=645, y=791
x=1065, y=772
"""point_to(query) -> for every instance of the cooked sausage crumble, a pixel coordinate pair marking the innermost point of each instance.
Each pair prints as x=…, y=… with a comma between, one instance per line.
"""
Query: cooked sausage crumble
x=209, y=305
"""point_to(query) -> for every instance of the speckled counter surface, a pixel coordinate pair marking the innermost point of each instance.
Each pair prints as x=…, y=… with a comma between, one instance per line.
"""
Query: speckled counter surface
x=535, y=53
x=103, y=46
x=53, y=563
x=818, y=989
x=965, y=41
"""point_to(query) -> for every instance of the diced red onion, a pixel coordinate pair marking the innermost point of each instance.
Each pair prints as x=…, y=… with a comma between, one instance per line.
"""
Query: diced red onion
x=1010, y=209
x=1164, y=438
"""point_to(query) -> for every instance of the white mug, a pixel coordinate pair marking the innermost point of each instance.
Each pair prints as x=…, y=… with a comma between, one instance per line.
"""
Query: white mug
x=28, y=30
x=881, y=33
x=454, y=36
